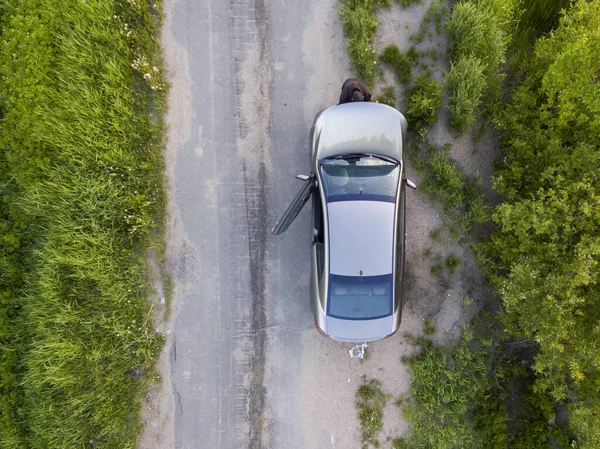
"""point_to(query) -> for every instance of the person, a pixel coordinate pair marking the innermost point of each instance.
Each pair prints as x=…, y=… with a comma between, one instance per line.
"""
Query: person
x=354, y=90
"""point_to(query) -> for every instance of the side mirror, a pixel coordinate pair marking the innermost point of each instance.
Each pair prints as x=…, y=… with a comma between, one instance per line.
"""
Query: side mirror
x=410, y=184
x=302, y=177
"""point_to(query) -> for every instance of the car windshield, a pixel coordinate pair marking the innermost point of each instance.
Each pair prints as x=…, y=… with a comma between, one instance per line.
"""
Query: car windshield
x=360, y=177
x=360, y=297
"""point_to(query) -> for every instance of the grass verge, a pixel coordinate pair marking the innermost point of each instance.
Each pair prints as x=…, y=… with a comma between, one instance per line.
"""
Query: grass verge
x=83, y=200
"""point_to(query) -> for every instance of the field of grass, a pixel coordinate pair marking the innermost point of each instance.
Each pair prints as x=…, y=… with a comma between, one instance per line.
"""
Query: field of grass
x=82, y=204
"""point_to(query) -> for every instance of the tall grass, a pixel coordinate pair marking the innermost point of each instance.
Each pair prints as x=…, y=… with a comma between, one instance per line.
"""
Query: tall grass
x=445, y=181
x=479, y=32
x=85, y=202
x=465, y=82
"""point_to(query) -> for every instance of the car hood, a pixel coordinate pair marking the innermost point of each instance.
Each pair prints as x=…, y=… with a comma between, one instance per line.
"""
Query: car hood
x=359, y=331
x=363, y=127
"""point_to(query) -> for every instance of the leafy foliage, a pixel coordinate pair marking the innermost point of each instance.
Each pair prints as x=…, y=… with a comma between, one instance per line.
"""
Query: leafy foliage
x=547, y=245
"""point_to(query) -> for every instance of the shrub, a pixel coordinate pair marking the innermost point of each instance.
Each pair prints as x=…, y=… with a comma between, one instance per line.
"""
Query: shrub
x=465, y=82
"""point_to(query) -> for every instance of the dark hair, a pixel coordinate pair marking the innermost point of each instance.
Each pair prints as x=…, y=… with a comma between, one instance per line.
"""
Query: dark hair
x=357, y=96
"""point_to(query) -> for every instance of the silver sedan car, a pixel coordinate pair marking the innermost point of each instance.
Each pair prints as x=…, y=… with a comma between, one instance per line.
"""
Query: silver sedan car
x=357, y=184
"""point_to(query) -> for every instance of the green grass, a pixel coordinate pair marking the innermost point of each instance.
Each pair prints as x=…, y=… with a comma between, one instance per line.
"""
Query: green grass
x=474, y=393
x=428, y=326
x=445, y=181
x=81, y=139
x=388, y=96
x=407, y=3
x=359, y=24
x=466, y=83
x=435, y=15
x=479, y=32
x=424, y=102
x=370, y=400
x=446, y=382
x=401, y=64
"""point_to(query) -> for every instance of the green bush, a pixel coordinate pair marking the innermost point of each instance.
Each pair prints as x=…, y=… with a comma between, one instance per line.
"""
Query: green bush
x=401, y=64
x=546, y=247
x=388, y=96
x=465, y=82
x=424, y=102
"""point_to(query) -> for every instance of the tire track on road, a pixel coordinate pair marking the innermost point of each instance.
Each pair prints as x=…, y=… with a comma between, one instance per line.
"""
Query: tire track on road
x=253, y=110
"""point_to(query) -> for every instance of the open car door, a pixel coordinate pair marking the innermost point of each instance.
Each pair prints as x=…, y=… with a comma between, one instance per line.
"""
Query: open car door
x=295, y=206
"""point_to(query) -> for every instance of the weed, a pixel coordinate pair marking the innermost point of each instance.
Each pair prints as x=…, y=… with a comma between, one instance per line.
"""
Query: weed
x=425, y=101
x=401, y=64
x=445, y=181
x=437, y=269
x=428, y=327
x=435, y=14
x=428, y=252
x=370, y=401
x=452, y=263
x=388, y=96
x=466, y=301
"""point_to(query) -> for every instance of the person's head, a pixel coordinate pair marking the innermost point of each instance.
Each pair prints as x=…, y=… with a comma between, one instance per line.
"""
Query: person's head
x=357, y=96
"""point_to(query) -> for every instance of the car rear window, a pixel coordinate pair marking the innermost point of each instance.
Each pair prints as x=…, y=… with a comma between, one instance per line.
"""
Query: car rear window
x=360, y=297
x=359, y=177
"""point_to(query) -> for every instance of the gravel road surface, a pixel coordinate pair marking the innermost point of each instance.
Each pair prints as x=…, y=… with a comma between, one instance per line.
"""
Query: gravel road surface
x=244, y=366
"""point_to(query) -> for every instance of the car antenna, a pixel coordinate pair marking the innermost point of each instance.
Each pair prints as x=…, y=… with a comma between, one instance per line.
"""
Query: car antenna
x=360, y=275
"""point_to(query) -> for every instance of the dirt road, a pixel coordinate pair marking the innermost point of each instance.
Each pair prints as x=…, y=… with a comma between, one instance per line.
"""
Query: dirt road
x=244, y=367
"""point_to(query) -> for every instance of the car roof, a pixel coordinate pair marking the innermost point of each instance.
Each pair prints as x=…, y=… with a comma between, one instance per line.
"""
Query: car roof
x=361, y=237
x=362, y=127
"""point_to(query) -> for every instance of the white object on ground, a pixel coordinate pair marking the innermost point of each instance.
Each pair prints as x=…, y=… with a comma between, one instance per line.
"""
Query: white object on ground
x=358, y=351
